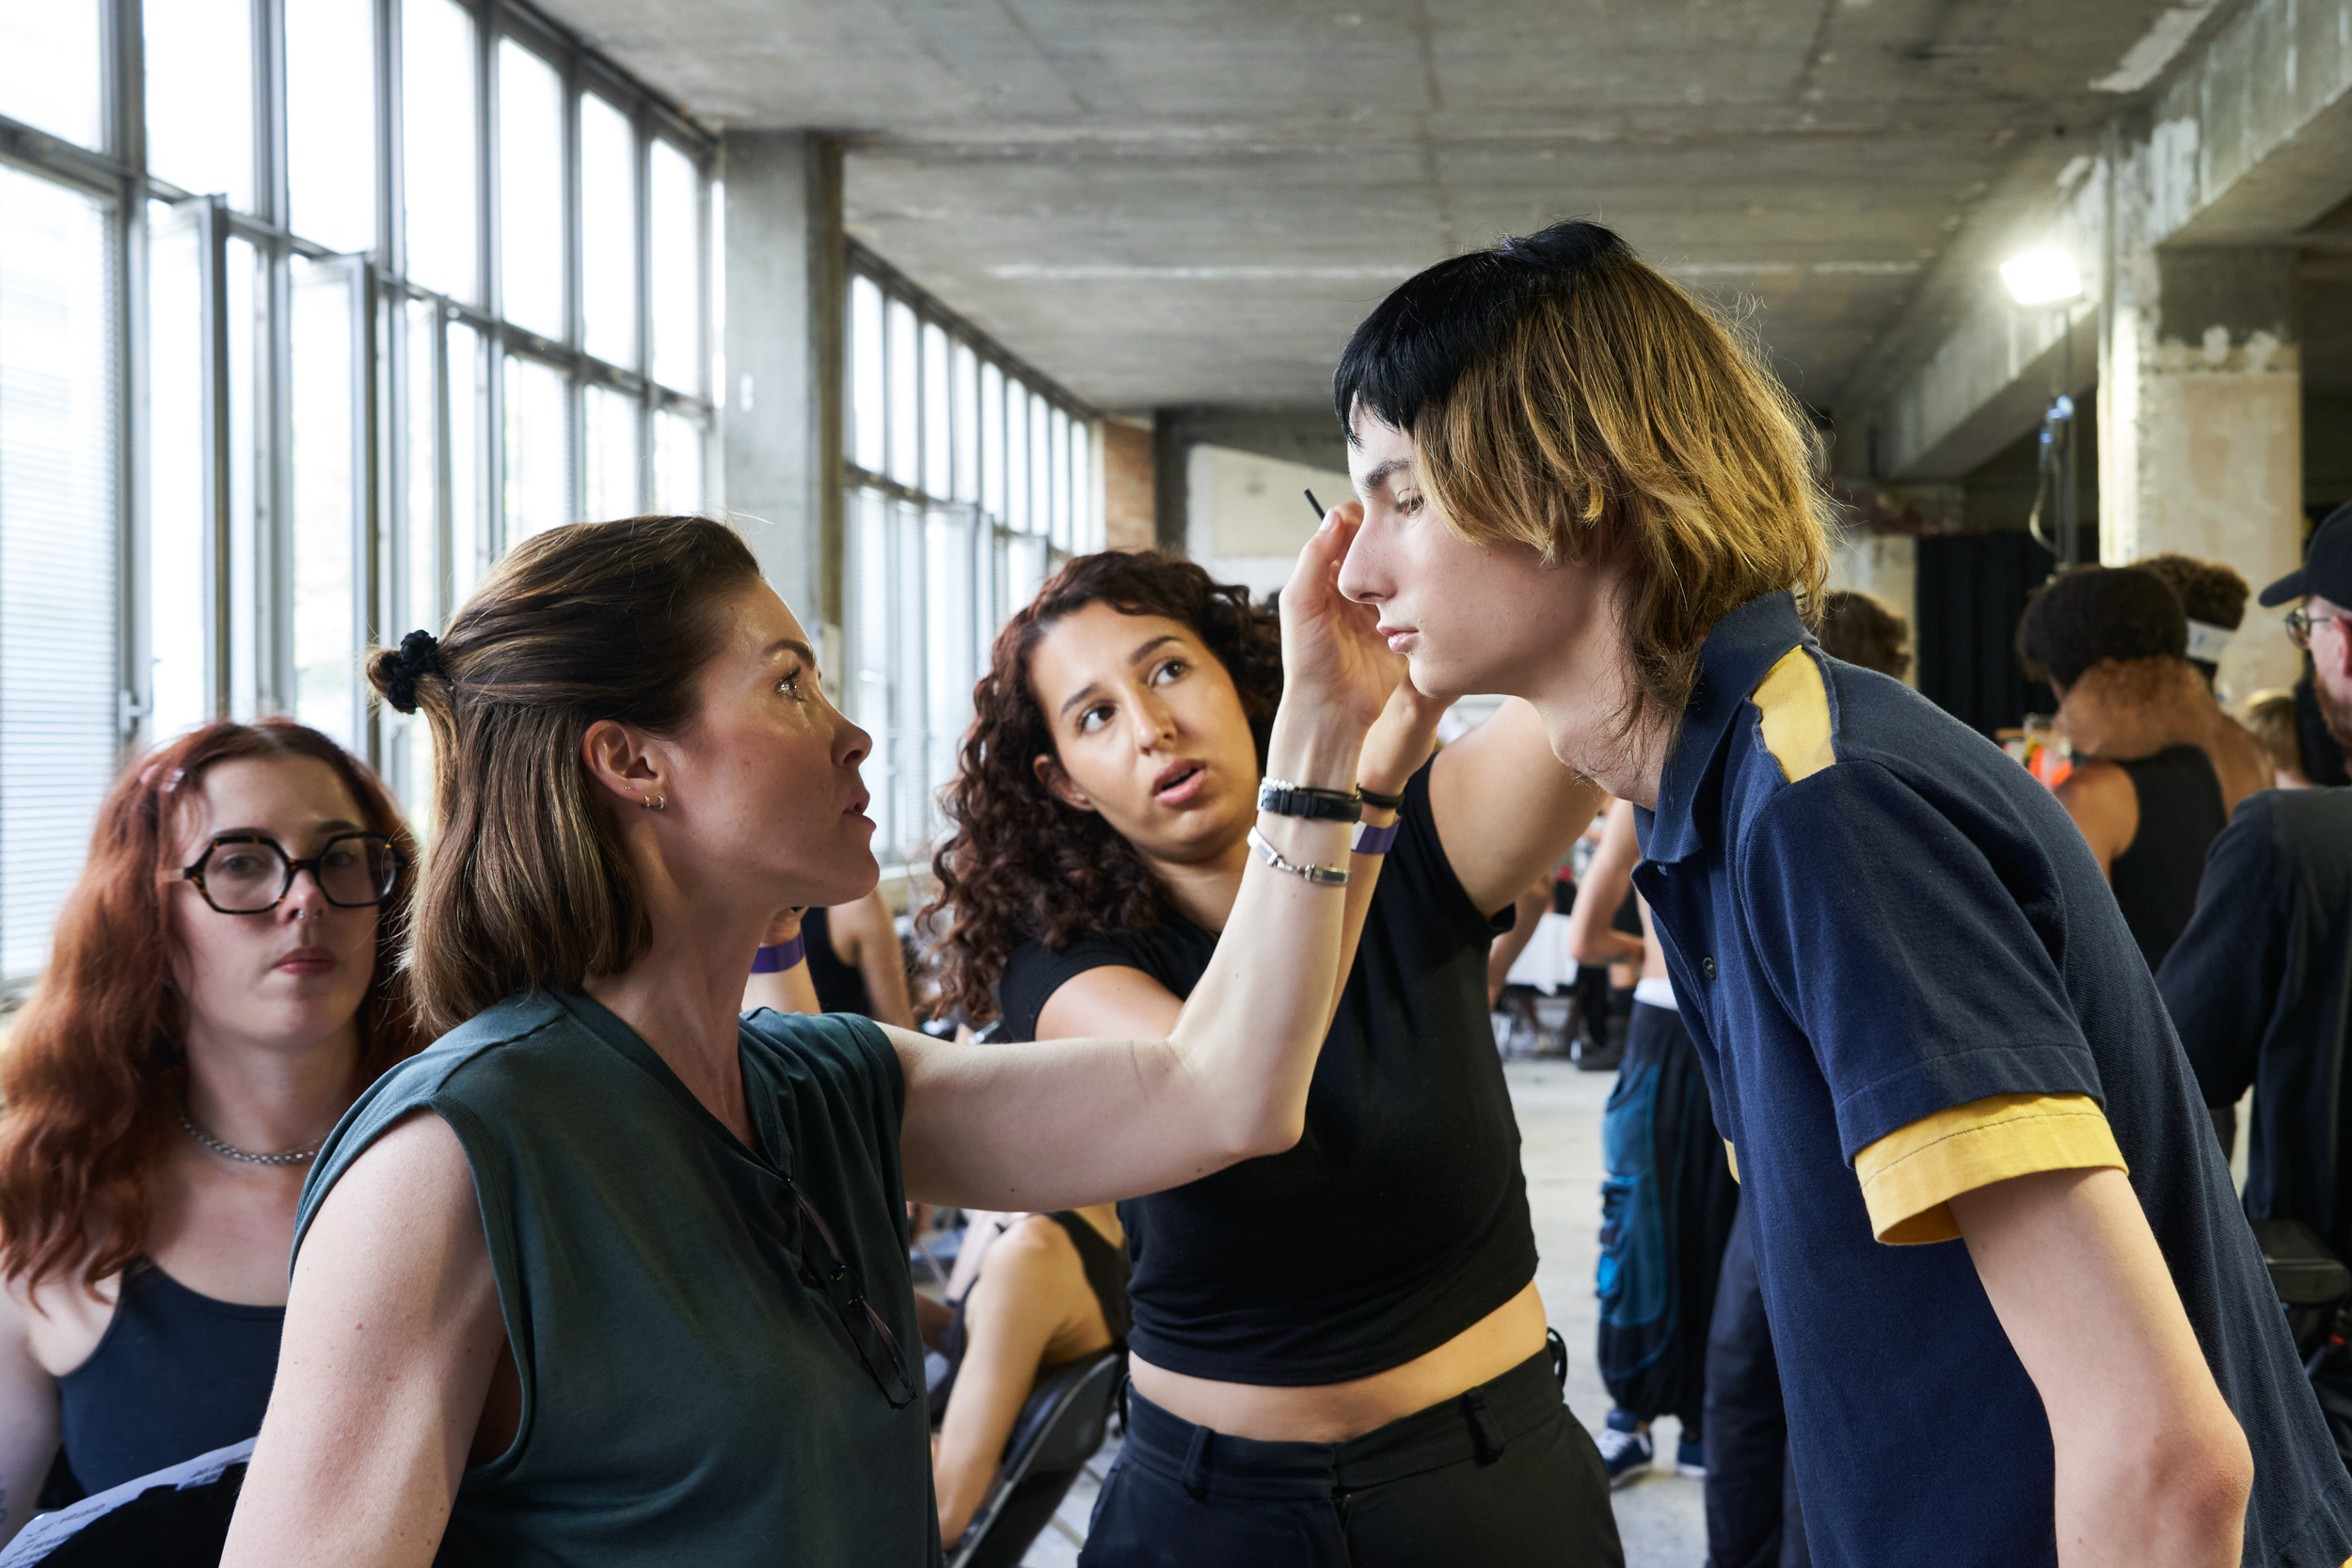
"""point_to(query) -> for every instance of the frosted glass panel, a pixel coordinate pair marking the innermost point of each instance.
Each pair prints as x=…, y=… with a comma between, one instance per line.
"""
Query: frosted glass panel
x=869, y=426
x=678, y=465
x=609, y=435
x=437, y=92
x=608, y=211
x=50, y=71
x=200, y=96
x=326, y=500
x=59, y=523
x=530, y=190
x=676, y=214
x=538, y=449
x=179, y=676
x=331, y=121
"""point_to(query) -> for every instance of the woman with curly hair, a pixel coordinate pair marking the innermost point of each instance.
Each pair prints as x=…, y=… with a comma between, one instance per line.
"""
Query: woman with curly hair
x=224, y=981
x=1339, y=1353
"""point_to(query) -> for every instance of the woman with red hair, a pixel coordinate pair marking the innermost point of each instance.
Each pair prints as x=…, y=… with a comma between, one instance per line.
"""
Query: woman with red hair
x=224, y=982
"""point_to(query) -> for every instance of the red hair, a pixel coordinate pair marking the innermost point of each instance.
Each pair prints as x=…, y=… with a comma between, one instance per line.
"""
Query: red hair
x=94, y=1066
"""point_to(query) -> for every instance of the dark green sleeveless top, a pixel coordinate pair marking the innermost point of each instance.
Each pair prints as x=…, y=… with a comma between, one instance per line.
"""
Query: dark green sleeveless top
x=690, y=1393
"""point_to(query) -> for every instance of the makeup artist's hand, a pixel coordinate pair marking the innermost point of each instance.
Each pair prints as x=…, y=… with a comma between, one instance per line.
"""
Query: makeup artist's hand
x=1333, y=657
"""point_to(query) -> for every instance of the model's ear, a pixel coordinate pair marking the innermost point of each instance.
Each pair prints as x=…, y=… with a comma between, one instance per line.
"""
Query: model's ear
x=1048, y=773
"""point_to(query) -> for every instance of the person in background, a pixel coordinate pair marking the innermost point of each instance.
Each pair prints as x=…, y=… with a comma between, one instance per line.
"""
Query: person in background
x=856, y=962
x=2271, y=719
x=2214, y=596
x=2159, y=766
x=1668, y=1202
x=2259, y=984
x=1753, y=1516
x=1860, y=630
x=2323, y=755
x=1052, y=1289
x=224, y=980
x=1527, y=912
x=1339, y=1353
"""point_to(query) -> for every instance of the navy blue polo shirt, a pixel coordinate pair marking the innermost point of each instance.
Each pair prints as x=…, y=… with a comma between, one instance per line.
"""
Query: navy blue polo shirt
x=1891, y=945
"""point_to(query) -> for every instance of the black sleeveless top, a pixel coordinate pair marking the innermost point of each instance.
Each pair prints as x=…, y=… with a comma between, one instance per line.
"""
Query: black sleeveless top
x=1400, y=1218
x=840, y=988
x=174, y=1375
x=1105, y=1268
x=2155, y=879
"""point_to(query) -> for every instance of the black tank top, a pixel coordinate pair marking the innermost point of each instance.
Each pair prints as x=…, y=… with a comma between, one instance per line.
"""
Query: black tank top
x=174, y=1375
x=2180, y=815
x=840, y=988
x=1400, y=1218
x=1105, y=1268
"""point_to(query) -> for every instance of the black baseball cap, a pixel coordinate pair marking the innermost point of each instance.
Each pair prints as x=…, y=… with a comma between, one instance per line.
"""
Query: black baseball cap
x=2327, y=569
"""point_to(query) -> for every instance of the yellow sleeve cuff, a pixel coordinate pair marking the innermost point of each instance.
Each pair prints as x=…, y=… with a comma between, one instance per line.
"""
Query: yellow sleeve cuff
x=1909, y=1176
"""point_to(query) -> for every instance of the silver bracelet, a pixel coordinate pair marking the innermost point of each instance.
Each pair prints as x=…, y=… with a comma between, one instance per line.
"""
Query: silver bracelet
x=1316, y=876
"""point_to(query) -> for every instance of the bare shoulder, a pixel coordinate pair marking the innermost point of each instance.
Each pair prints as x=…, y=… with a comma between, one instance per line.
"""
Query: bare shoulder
x=411, y=1182
x=1114, y=1002
x=1034, y=1262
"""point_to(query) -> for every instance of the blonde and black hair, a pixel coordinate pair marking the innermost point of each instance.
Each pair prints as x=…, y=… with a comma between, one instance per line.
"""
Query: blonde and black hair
x=1562, y=393
x=525, y=886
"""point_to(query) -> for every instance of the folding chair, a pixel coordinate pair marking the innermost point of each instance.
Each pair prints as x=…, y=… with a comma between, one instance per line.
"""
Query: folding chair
x=1058, y=1430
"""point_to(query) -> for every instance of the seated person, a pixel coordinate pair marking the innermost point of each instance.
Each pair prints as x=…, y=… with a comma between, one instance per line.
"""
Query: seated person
x=856, y=962
x=197, y=1033
x=1053, y=1289
x=2159, y=766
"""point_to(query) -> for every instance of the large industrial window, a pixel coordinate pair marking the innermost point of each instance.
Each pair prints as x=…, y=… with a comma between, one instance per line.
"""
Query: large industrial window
x=308, y=309
x=969, y=477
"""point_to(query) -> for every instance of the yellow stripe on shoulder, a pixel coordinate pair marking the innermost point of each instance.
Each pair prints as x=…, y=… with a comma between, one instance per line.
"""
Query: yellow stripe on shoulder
x=1795, y=704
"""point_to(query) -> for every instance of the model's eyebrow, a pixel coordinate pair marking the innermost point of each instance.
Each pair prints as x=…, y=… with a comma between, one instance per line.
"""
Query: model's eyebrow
x=1380, y=474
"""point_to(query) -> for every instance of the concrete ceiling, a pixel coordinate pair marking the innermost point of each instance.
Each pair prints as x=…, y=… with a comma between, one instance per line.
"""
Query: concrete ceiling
x=1193, y=201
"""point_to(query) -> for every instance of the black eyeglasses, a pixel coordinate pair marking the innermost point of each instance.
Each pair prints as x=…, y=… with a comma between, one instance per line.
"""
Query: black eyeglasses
x=2300, y=623
x=875, y=1346
x=249, y=873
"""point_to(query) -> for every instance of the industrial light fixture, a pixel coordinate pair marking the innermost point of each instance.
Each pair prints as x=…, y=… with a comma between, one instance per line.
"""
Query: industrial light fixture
x=2041, y=277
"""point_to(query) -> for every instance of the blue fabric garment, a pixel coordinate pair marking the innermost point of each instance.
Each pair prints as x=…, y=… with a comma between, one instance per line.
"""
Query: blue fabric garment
x=1913, y=926
x=176, y=1374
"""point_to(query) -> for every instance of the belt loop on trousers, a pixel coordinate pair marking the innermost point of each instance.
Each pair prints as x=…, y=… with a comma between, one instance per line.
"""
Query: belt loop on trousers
x=1485, y=1435
x=1195, y=1475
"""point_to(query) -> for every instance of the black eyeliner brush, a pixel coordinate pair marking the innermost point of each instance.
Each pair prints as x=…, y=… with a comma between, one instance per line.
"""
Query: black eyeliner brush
x=1316, y=504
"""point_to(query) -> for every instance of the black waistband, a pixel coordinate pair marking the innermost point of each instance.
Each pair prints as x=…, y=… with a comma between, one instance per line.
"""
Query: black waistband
x=1472, y=1425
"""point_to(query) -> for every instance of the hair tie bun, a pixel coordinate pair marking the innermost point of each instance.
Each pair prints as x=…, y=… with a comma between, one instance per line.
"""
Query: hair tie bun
x=420, y=655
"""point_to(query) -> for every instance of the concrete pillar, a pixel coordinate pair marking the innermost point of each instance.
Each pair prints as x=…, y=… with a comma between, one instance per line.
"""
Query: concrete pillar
x=781, y=419
x=2200, y=424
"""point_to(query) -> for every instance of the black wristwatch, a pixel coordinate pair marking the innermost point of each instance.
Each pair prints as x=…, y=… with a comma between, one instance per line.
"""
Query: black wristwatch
x=1284, y=799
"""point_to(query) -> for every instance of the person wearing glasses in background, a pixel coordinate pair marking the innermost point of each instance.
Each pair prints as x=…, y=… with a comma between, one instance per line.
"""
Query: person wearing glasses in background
x=2259, y=984
x=223, y=983
x=612, y=1273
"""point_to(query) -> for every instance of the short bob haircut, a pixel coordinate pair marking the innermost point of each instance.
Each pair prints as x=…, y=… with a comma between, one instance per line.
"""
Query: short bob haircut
x=525, y=885
x=2095, y=613
x=96, y=1062
x=1561, y=393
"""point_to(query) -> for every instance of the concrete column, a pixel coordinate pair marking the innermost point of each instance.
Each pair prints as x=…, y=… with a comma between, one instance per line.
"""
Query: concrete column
x=780, y=418
x=1130, y=518
x=2201, y=426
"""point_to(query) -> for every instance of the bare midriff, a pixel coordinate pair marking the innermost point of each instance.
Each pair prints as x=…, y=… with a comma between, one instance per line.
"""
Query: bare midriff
x=1335, y=1412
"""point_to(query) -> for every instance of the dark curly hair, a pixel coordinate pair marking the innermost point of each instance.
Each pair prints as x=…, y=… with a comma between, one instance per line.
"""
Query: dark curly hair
x=1019, y=865
x=2209, y=590
x=1860, y=630
x=2092, y=613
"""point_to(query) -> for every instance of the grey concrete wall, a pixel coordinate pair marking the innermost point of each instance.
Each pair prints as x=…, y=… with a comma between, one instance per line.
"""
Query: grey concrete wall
x=781, y=406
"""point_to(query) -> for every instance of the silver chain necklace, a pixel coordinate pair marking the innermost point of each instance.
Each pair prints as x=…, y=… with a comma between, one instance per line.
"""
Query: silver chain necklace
x=231, y=1151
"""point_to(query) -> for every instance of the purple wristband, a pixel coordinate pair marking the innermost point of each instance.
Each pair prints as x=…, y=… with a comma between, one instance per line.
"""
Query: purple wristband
x=783, y=955
x=1374, y=841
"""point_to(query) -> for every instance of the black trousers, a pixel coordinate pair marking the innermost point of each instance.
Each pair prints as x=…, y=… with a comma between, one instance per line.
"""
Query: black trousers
x=1500, y=1476
x=1752, y=1520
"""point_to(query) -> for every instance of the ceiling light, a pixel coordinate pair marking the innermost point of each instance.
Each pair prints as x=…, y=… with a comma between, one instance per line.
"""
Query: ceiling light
x=2041, y=277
